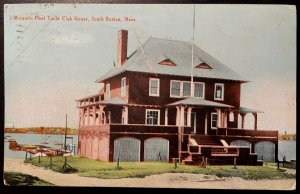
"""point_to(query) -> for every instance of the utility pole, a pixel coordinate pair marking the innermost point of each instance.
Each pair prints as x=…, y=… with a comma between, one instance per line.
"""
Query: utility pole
x=66, y=133
x=66, y=164
x=193, y=47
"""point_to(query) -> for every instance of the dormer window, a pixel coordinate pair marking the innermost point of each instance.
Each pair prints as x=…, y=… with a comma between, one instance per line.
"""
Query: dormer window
x=167, y=62
x=203, y=66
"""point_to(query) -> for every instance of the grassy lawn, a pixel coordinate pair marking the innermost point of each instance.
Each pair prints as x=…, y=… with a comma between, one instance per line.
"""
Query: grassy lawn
x=20, y=179
x=274, y=164
x=92, y=168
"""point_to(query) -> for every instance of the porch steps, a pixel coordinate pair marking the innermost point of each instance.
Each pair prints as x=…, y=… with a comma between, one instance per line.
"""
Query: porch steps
x=207, y=140
x=191, y=161
x=188, y=160
x=215, y=151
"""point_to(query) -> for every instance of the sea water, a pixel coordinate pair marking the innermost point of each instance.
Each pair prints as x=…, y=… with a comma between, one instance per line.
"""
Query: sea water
x=36, y=139
x=285, y=148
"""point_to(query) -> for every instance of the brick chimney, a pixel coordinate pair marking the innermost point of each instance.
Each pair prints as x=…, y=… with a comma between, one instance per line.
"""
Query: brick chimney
x=122, y=47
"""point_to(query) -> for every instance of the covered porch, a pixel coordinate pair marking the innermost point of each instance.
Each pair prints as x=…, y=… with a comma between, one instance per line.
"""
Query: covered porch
x=96, y=113
x=244, y=111
x=203, y=116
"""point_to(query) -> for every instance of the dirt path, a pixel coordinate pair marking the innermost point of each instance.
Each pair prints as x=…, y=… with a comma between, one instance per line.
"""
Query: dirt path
x=168, y=180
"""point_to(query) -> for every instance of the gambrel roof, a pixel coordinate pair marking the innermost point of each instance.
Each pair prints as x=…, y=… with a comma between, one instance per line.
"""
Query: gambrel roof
x=148, y=57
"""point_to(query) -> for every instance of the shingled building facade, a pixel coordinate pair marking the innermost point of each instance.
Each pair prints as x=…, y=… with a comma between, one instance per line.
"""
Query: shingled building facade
x=150, y=109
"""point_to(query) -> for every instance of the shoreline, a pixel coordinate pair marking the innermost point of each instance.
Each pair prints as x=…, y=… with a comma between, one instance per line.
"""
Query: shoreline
x=6, y=133
x=166, y=180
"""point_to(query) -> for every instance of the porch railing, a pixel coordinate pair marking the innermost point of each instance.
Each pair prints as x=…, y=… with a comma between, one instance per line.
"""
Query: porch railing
x=246, y=132
x=100, y=128
x=214, y=150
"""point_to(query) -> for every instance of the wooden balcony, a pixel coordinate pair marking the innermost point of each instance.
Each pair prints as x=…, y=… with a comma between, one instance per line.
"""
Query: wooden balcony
x=95, y=128
x=134, y=128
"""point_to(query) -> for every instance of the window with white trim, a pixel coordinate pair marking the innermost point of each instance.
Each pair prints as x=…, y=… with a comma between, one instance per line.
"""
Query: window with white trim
x=123, y=86
x=153, y=87
x=231, y=117
x=152, y=117
x=124, y=116
x=107, y=91
x=214, y=120
x=199, y=89
x=219, y=91
x=186, y=89
x=175, y=88
x=183, y=89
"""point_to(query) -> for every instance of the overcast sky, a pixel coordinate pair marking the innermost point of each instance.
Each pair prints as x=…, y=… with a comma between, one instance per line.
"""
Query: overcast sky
x=49, y=64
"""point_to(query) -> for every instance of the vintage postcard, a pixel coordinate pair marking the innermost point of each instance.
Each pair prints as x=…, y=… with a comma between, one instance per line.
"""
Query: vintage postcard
x=150, y=96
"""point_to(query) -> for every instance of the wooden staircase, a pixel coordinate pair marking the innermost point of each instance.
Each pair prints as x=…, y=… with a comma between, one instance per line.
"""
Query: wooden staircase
x=207, y=140
x=209, y=149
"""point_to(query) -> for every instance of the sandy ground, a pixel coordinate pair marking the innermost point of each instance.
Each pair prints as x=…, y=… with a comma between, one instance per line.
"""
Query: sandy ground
x=168, y=180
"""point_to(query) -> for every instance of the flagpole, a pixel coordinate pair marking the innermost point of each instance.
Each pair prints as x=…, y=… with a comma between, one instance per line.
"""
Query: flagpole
x=192, y=65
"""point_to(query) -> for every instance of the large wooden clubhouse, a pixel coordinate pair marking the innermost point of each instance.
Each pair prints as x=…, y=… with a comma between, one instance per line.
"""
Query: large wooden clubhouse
x=153, y=107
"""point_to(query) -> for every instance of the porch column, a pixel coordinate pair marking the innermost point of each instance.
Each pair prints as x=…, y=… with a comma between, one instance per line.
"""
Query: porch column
x=83, y=117
x=219, y=116
x=243, y=119
x=182, y=116
x=177, y=115
x=166, y=116
x=255, y=120
x=252, y=147
x=100, y=114
x=225, y=119
x=88, y=116
x=94, y=115
x=126, y=115
x=189, y=114
x=205, y=124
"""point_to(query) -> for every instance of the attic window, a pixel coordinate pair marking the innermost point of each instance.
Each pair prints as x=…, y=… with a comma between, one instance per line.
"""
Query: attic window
x=167, y=62
x=203, y=66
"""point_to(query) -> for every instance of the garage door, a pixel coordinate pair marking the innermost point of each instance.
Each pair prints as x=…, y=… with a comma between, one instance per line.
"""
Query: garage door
x=127, y=149
x=265, y=149
x=156, y=149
